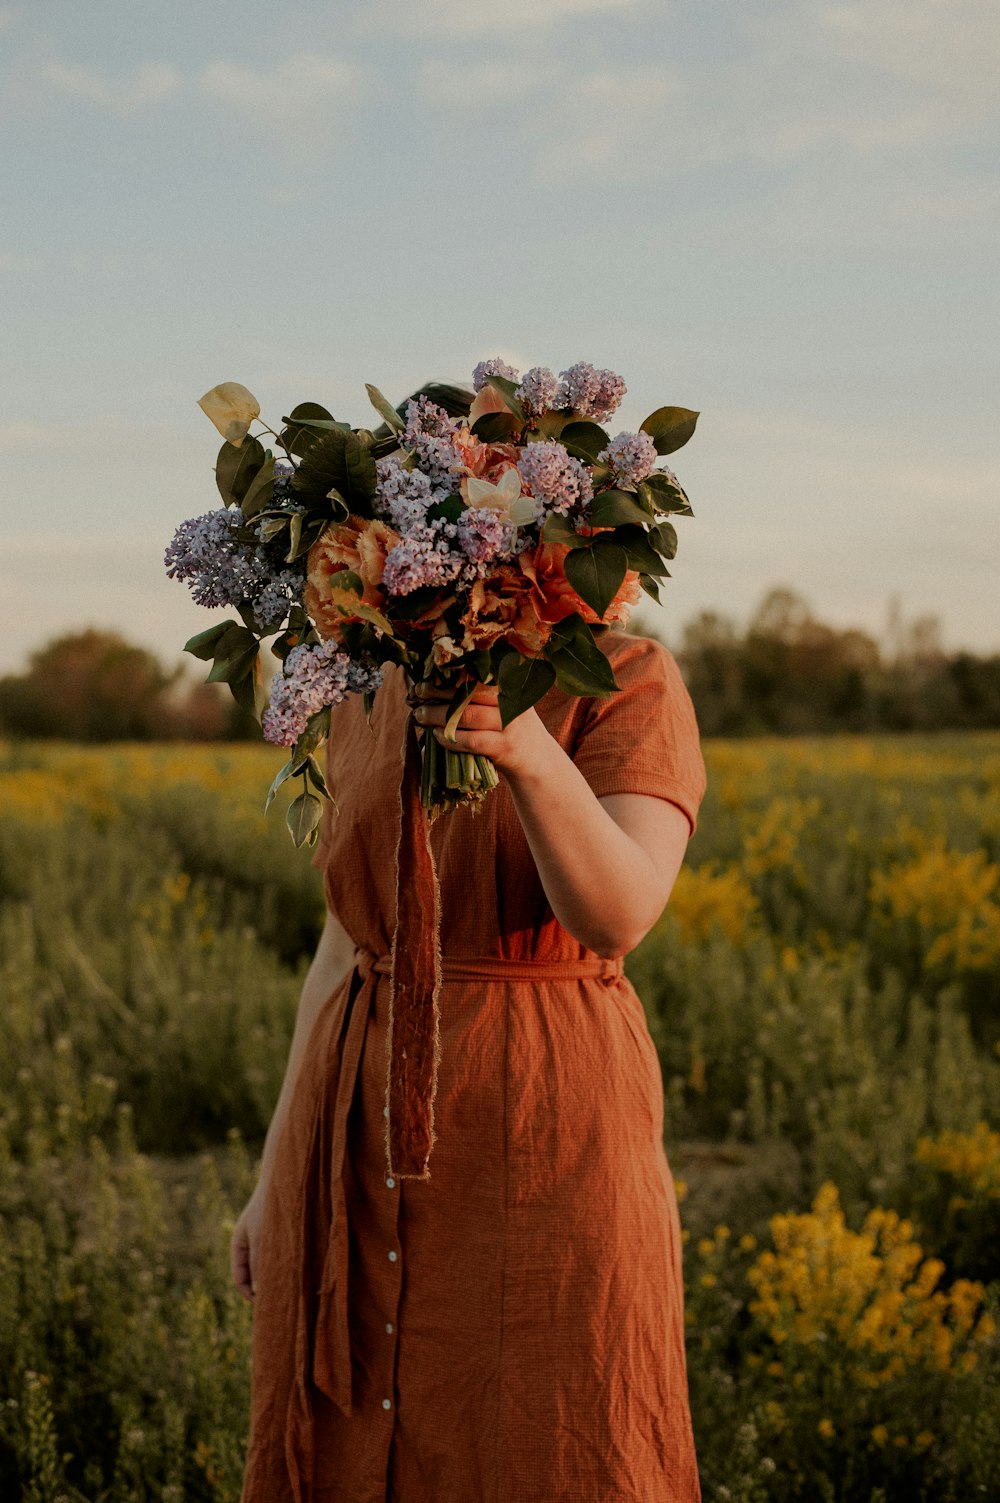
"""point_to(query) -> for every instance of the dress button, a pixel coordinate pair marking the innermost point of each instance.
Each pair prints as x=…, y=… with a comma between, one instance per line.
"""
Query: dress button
x=391, y=1182
x=386, y=1403
x=392, y=1255
x=385, y=1111
x=388, y=1326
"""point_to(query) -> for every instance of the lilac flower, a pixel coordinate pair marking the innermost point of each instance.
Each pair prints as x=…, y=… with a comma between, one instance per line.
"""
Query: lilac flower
x=313, y=677
x=492, y=367
x=402, y=496
x=430, y=434
x=220, y=569
x=538, y=389
x=283, y=476
x=554, y=477
x=422, y=558
x=591, y=393
x=631, y=456
x=485, y=534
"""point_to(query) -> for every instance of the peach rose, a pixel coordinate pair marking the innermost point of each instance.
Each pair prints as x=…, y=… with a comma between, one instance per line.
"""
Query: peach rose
x=359, y=545
x=501, y=607
x=554, y=598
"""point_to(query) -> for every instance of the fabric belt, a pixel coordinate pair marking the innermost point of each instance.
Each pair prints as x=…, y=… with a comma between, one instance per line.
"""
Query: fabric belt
x=327, y=1311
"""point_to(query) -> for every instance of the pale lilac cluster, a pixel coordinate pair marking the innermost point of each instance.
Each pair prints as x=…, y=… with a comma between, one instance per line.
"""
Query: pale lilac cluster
x=430, y=434
x=313, y=677
x=284, y=474
x=402, y=496
x=538, y=390
x=590, y=393
x=555, y=478
x=492, y=367
x=220, y=569
x=423, y=557
x=631, y=456
x=486, y=534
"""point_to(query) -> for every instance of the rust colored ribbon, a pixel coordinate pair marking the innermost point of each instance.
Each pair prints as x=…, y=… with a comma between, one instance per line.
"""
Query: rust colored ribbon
x=413, y=1036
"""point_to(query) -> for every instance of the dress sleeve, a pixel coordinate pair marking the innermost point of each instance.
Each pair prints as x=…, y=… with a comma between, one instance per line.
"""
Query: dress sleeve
x=644, y=738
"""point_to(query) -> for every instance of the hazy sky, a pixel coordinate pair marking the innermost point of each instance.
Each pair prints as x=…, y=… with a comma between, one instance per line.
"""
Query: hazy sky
x=786, y=215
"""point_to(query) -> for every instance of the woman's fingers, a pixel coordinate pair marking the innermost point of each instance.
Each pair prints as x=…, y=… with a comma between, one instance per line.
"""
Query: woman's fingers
x=476, y=716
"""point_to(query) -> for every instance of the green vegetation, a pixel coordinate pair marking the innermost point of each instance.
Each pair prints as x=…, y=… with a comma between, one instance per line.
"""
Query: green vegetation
x=823, y=991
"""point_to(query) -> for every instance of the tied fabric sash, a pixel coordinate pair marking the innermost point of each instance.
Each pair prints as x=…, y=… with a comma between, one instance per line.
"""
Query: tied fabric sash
x=413, y=1035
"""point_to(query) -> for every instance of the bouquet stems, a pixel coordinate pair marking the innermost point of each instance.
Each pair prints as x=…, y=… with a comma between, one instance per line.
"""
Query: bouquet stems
x=452, y=777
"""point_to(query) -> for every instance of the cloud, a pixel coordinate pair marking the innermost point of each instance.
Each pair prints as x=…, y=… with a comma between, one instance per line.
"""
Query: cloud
x=481, y=86
x=150, y=84
x=298, y=102
x=467, y=18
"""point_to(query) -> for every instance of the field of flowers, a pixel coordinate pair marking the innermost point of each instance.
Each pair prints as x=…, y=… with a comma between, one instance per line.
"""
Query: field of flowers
x=824, y=992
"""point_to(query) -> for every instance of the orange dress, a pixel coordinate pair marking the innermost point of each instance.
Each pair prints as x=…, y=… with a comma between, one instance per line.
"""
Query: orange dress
x=510, y=1329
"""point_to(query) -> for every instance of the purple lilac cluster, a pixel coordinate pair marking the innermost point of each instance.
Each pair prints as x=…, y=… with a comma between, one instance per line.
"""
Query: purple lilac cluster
x=631, y=456
x=430, y=435
x=538, y=390
x=591, y=393
x=560, y=482
x=220, y=569
x=313, y=677
x=486, y=535
x=423, y=557
x=492, y=367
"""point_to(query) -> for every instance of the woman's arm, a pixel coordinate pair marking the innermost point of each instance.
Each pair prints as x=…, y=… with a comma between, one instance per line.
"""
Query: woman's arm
x=607, y=865
x=334, y=957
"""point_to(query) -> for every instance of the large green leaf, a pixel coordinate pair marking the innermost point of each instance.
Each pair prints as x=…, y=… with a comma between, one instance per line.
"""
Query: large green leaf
x=641, y=553
x=236, y=468
x=664, y=539
x=650, y=585
x=361, y=473
x=339, y=462
x=205, y=643
x=613, y=508
x=522, y=682
x=559, y=529
x=287, y=770
x=596, y=573
x=303, y=817
x=581, y=667
x=496, y=427
x=663, y=492
x=261, y=491
x=235, y=654
x=301, y=426
x=505, y=390
x=670, y=427
x=584, y=439
x=384, y=408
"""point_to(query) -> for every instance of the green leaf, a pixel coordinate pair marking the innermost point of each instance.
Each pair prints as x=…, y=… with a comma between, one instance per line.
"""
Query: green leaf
x=558, y=529
x=613, y=508
x=235, y=469
x=362, y=475
x=338, y=462
x=300, y=430
x=650, y=586
x=584, y=439
x=450, y=508
x=384, y=408
x=260, y=492
x=314, y=774
x=641, y=553
x=244, y=691
x=294, y=536
x=663, y=492
x=522, y=683
x=505, y=390
x=664, y=539
x=204, y=644
x=235, y=654
x=670, y=427
x=303, y=817
x=288, y=770
x=550, y=424
x=596, y=573
x=496, y=427
x=581, y=667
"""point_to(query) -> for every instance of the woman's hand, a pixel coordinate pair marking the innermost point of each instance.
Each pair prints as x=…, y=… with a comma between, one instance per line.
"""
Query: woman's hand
x=244, y=1245
x=513, y=750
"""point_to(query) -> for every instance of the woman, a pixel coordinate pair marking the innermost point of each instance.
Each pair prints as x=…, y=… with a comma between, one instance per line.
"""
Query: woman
x=509, y=1330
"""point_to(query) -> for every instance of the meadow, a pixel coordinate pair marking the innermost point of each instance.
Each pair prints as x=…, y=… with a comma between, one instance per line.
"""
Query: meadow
x=824, y=993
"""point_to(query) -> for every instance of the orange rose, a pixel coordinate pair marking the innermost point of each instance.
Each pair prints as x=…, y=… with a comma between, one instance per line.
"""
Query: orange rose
x=486, y=461
x=554, y=598
x=359, y=545
x=501, y=607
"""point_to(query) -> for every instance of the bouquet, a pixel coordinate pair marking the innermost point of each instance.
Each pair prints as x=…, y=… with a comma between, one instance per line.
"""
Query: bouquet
x=475, y=537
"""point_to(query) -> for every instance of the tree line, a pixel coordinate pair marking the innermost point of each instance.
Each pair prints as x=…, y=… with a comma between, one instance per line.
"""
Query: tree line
x=783, y=673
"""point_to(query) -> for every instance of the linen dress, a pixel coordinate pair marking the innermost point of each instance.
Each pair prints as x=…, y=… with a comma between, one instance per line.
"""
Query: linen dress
x=509, y=1330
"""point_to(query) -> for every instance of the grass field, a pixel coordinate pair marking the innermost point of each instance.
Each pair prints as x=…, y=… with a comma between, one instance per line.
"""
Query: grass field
x=824, y=992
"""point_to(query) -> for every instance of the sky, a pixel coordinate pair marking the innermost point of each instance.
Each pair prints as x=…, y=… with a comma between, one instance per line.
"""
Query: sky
x=784, y=215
